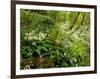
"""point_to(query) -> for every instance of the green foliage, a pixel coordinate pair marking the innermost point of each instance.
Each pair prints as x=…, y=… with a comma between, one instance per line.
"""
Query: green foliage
x=54, y=38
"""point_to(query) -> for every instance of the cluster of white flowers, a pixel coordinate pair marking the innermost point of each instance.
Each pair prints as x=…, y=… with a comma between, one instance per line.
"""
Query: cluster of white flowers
x=42, y=36
x=27, y=67
x=32, y=35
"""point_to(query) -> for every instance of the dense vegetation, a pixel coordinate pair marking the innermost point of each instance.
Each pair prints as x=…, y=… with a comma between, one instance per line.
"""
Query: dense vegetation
x=54, y=39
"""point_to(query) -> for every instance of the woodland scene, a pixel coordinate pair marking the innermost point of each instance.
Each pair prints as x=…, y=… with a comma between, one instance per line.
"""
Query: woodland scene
x=54, y=39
